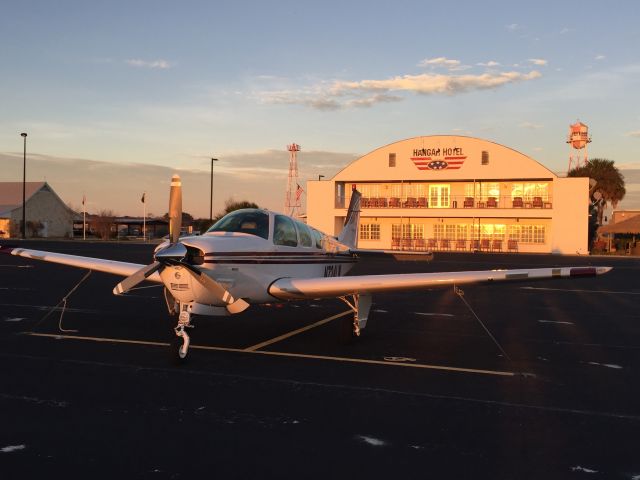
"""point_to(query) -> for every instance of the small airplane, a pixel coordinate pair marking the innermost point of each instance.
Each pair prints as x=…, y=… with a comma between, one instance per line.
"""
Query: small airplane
x=256, y=256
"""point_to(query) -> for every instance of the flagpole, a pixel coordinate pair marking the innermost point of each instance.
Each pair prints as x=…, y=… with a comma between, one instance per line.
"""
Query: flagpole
x=84, y=219
x=144, y=217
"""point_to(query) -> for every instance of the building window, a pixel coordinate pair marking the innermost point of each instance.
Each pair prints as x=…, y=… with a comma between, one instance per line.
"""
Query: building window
x=482, y=190
x=369, y=231
x=527, y=233
x=439, y=196
x=392, y=159
x=407, y=230
x=485, y=157
x=527, y=191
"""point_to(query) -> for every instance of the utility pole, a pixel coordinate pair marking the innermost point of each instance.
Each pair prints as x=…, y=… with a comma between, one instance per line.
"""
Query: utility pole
x=211, y=196
x=24, y=187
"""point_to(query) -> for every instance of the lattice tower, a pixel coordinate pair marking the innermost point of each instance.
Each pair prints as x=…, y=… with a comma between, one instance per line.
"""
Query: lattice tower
x=292, y=199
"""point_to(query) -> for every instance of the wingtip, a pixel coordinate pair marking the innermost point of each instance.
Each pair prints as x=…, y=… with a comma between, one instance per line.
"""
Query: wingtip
x=7, y=249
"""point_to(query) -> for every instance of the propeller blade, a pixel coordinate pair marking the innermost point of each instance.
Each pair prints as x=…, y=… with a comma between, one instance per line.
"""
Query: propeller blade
x=234, y=305
x=175, y=209
x=134, y=279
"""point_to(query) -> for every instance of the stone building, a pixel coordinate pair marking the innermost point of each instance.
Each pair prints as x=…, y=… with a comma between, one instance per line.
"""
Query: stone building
x=46, y=214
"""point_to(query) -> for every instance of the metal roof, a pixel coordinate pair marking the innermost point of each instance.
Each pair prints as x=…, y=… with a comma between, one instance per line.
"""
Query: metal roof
x=630, y=225
x=11, y=193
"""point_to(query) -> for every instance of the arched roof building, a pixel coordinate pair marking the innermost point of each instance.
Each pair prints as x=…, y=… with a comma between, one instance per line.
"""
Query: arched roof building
x=447, y=192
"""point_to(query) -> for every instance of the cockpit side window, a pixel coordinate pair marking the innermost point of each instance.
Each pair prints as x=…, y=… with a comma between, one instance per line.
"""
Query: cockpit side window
x=305, y=235
x=251, y=221
x=317, y=236
x=284, y=232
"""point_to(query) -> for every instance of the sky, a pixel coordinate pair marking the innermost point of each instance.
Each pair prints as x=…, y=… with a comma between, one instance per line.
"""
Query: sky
x=116, y=96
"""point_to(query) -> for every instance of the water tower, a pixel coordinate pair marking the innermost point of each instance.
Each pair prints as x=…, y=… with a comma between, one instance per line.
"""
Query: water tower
x=578, y=140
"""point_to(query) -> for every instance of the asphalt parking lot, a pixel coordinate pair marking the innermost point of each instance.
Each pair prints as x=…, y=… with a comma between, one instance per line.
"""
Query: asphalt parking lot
x=271, y=392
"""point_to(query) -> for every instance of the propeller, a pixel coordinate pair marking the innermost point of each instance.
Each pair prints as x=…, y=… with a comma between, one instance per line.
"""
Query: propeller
x=175, y=254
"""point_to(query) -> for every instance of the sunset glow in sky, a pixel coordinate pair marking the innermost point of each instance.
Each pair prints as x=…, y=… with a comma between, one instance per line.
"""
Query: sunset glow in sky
x=117, y=95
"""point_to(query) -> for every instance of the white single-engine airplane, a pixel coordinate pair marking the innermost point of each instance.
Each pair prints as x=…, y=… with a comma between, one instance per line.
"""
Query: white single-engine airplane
x=255, y=256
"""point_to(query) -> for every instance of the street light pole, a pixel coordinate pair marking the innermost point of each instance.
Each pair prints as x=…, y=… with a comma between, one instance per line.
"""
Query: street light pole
x=320, y=177
x=24, y=187
x=211, y=196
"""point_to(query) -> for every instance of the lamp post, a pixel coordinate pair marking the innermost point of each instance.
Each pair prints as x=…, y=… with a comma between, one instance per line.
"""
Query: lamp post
x=24, y=187
x=320, y=177
x=211, y=196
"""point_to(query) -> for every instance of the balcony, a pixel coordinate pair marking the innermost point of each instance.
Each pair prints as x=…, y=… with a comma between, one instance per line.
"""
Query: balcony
x=462, y=202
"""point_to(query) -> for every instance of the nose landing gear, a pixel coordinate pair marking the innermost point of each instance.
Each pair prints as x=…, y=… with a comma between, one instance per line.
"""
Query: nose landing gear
x=180, y=344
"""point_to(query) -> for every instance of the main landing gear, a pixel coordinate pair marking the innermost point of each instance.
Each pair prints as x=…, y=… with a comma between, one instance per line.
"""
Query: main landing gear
x=351, y=328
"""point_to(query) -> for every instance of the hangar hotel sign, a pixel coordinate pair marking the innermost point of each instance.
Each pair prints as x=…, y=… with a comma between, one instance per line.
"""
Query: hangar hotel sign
x=450, y=158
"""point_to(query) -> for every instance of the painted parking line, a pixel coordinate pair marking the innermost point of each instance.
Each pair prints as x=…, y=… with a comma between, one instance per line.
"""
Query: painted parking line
x=258, y=346
x=611, y=292
x=282, y=354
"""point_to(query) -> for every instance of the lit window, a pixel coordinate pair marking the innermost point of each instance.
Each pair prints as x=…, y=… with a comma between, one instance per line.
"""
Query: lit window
x=369, y=231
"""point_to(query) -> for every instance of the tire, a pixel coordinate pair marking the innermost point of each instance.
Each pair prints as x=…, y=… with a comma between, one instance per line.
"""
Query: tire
x=174, y=350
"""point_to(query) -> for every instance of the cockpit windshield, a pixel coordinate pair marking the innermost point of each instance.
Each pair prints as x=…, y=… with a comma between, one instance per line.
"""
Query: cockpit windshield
x=248, y=220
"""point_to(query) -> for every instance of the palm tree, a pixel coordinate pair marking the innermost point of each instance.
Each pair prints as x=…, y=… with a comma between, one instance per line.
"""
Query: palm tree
x=610, y=187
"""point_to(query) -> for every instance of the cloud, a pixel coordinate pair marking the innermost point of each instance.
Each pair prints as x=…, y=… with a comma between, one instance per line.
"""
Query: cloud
x=259, y=177
x=452, y=65
x=531, y=126
x=513, y=27
x=600, y=57
x=154, y=64
x=538, y=61
x=439, y=61
x=366, y=93
x=429, y=84
x=635, y=133
x=489, y=64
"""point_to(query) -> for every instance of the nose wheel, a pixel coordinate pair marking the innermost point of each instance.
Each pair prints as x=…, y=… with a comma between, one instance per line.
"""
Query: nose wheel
x=179, y=346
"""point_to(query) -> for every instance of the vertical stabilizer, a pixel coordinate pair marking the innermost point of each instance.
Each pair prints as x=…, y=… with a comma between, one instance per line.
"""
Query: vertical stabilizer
x=349, y=234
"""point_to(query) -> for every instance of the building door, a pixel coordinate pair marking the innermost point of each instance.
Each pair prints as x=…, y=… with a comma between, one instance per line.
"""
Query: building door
x=439, y=196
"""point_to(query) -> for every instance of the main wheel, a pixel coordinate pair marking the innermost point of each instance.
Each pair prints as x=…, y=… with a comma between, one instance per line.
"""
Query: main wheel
x=177, y=356
x=347, y=335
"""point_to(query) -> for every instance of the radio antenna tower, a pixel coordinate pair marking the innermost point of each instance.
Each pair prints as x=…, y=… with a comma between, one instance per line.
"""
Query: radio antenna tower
x=294, y=191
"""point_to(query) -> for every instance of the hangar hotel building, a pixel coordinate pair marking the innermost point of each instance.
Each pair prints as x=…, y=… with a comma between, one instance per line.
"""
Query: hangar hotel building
x=453, y=193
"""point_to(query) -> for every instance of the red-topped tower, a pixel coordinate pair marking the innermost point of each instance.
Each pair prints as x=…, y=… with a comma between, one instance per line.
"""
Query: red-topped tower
x=578, y=140
x=292, y=200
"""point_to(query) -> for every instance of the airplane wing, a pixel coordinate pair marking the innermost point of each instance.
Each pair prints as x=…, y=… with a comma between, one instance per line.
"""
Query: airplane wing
x=301, y=288
x=97, y=264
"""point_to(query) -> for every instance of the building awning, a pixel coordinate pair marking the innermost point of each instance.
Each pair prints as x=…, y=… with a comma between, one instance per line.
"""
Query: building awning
x=631, y=225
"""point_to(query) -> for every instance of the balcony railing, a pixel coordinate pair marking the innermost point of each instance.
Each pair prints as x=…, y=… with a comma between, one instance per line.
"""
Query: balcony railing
x=444, y=244
x=453, y=202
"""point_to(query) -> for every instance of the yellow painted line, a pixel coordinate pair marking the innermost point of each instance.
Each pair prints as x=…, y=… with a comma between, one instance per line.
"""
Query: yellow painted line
x=283, y=354
x=295, y=332
x=610, y=292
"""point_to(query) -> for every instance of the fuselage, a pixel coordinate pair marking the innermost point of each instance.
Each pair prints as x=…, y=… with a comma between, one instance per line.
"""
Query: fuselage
x=248, y=250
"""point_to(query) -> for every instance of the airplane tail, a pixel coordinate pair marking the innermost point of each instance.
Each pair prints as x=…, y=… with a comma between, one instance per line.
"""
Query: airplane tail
x=349, y=234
